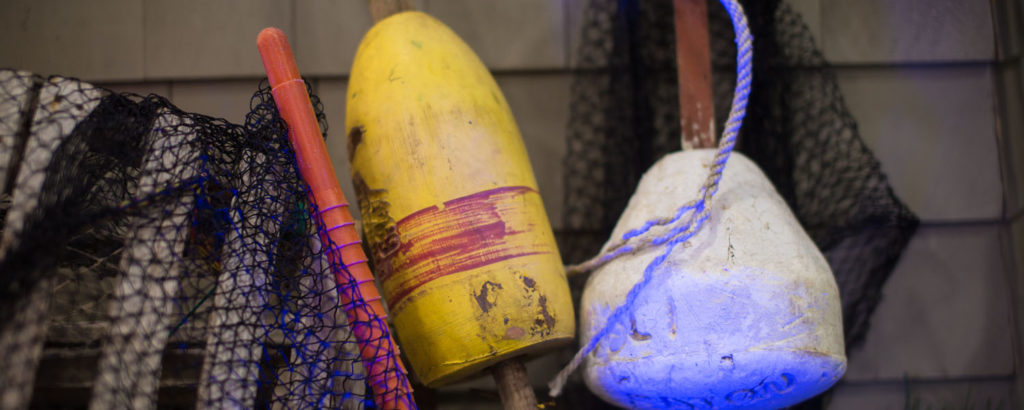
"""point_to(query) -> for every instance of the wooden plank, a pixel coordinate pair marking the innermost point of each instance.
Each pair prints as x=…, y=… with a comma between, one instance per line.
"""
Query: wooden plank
x=234, y=344
x=144, y=299
x=61, y=105
x=17, y=100
x=309, y=377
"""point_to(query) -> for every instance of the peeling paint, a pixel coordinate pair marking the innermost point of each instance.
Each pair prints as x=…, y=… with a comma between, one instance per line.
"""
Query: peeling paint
x=486, y=297
x=355, y=137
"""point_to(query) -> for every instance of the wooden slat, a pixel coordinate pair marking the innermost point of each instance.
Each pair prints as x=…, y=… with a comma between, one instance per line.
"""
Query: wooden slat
x=312, y=364
x=18, y=93
x=61, y=105
x=144, y=299
x=234, y=344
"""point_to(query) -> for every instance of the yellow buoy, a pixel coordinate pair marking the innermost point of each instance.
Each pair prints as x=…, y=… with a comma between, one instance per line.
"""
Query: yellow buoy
x=451, y=212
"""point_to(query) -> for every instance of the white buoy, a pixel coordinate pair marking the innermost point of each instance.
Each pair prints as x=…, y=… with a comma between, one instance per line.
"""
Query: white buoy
x=744, y=314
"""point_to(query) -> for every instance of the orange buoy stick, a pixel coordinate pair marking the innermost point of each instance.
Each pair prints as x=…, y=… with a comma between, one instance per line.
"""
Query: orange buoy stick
x=363, y=306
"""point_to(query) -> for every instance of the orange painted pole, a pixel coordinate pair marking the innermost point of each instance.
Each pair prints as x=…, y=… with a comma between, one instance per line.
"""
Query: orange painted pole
x=363, y=306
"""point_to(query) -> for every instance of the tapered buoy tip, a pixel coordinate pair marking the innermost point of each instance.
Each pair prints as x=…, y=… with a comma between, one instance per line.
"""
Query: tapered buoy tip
x=271, y=35
x=277, y=56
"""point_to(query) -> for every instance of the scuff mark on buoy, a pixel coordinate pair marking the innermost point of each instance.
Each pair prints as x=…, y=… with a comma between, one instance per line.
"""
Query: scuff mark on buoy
x=355, y=137
x=485, y=298
x=672, y=316
x=636, y=334
x=544, y=322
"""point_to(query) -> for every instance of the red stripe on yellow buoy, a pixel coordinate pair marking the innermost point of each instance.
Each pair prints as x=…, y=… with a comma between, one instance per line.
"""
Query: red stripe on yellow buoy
x=466, y=233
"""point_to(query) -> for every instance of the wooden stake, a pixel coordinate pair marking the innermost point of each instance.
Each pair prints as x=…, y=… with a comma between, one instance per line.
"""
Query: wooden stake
x=380, y=9
x=513, y=385
x=693, y=61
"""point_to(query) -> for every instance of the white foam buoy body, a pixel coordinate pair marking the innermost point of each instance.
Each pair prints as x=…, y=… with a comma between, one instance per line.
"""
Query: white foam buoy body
x=744, y=314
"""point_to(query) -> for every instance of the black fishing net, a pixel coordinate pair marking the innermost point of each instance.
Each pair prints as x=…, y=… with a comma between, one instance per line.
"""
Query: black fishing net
x=154, y=257
x=625, y=116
